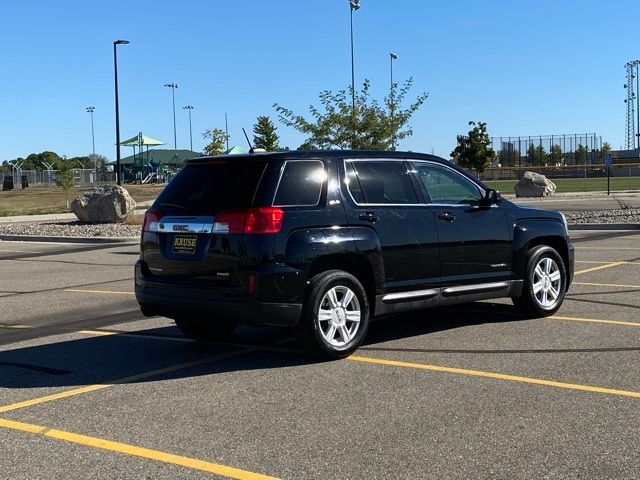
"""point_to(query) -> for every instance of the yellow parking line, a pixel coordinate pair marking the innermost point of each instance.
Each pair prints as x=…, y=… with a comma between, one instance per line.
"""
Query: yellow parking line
x=111, y=292
x=157, y=455
x=133, y=378
x=601, y=262
x=600, y=267
x=615, y=285
x=15, y=325
x=138, y=335
x=595, y=320
x=607, y=248
x=498, y=376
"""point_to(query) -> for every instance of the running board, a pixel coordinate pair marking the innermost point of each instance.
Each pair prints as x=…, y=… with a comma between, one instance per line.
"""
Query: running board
x=410, y=296
x=475, y=288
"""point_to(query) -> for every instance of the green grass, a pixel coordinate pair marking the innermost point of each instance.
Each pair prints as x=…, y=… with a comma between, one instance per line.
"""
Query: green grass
x=575, y=184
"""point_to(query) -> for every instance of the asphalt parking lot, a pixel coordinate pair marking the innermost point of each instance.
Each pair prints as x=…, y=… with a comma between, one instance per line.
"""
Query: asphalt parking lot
x=91, y=389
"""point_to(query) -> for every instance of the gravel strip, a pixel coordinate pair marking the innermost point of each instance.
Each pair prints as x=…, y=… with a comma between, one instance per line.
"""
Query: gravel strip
x=628, y=215
x=71, y=229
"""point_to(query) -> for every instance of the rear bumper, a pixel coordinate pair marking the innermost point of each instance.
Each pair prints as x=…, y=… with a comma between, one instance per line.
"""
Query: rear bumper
x=173, y=301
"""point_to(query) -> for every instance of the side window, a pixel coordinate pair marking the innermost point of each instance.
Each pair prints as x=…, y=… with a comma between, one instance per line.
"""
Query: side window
x=446, y=186
x=380, y=182
x=300, y=183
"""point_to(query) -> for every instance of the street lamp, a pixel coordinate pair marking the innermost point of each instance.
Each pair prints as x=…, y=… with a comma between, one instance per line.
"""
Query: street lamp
x=173, y=87
x=353, y=5
x=393, y=57
x=189, y=108
x=93, y=143
x=115, y=72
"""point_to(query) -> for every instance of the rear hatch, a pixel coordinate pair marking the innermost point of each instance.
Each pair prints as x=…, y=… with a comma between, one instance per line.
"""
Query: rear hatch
x=198, y=231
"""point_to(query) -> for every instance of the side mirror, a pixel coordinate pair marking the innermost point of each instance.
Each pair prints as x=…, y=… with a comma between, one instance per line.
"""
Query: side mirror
x=491, y=196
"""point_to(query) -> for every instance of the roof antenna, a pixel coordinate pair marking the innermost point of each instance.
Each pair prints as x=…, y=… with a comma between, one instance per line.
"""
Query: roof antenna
x=251, y=148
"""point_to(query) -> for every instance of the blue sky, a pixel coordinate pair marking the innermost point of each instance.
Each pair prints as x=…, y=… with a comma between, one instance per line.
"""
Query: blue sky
x=525, y=68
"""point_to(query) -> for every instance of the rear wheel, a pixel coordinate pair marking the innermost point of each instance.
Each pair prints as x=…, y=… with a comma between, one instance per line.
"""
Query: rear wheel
x=335, y=315
x=201, y=330
x=545, y=283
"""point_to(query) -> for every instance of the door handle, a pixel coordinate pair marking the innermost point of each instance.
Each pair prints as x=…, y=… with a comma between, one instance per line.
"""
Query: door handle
x=448, y=216
x=369, y=217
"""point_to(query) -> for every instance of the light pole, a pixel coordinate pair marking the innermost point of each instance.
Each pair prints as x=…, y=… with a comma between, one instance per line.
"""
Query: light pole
x=392, y=57
x=353, y=5
x=173, y=87
x=93, y=143
x=115, y=72
x=189, y=108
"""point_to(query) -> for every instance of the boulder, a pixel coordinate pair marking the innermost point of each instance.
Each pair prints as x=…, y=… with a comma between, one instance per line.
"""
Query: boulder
x=534, y=185
x=103, y=204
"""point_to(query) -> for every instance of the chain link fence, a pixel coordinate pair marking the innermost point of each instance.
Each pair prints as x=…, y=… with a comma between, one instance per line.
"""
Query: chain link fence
x=47, y=178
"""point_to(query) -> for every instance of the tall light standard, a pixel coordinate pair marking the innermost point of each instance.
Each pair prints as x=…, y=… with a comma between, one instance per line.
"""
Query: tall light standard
x=115, y=72
x=353, y=5
x=173, y=87
x=393, y=57
x=93, y=143
x=189, y=108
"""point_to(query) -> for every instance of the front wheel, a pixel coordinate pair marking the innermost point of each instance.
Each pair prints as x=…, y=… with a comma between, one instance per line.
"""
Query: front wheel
x=545, y=283
x=335, y=315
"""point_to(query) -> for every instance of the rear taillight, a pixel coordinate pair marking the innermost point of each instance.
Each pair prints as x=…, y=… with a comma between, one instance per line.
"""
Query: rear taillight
x=249, y=220
x=151, y=219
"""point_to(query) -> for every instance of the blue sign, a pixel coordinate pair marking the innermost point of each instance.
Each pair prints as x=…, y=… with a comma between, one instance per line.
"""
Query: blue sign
x=607, y=160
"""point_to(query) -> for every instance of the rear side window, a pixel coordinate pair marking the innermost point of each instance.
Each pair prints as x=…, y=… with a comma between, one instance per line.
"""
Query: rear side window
x=211, y=187
x=300, y=183
x=380, y=182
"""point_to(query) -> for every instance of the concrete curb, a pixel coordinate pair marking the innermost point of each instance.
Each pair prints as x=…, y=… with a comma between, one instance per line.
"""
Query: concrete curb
x=604, y=226
x=33, y=238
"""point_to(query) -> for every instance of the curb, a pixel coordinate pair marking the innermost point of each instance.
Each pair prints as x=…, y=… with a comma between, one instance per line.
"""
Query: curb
x=33, y=238
x=604, y=226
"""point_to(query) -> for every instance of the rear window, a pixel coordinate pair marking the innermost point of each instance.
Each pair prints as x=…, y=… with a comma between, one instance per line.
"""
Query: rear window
x=208, y=188
x=300, y=183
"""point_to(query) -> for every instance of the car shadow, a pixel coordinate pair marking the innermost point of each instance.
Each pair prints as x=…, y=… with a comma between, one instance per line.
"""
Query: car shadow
x=109, y=358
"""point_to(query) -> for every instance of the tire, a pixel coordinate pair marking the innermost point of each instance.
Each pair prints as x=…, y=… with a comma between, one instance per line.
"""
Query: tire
x=328, y=329
x=199, y=329
x=545, y=283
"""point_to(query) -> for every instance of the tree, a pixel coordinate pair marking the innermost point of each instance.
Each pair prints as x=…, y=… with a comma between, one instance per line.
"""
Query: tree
x=368, y=126
x=580, y=155
x=474, y=150
x=555, y=155
x=606, y=148
x=217, y=141
x=264, y=134
x=65, y=178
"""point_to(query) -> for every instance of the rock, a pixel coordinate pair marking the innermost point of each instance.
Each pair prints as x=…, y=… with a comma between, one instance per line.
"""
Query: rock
x=534, y=185
x=103, y=204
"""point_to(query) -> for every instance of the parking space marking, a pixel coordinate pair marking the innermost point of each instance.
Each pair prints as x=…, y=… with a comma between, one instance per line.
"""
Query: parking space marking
x=614, y=285
x=607, y=248
x=600, y=267
x=133, y=378
x=14, y=325
x=157, y=455
x=595, y=320
x=498, y=376
x=18, y=251
x=601, y=263
x=108, y=292
x=139, y=335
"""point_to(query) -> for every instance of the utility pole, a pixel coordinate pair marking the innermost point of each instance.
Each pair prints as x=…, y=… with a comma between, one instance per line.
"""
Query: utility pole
x=353, y=5
x=173, y=87
x=188, y=108
x=393, y=57
x=115, y=72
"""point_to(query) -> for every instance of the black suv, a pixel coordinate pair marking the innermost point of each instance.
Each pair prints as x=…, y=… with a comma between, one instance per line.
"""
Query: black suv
x=324, y=241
